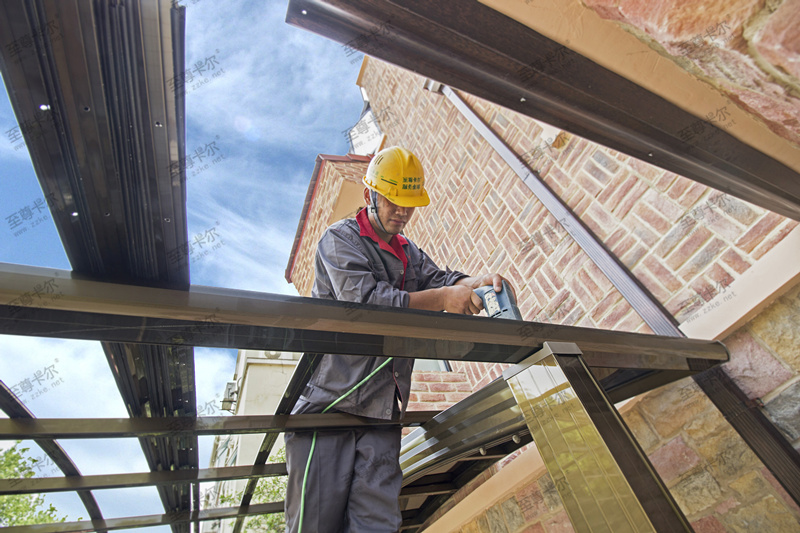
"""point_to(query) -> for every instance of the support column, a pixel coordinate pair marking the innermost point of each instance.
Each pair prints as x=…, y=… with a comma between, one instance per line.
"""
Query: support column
x=601, y=474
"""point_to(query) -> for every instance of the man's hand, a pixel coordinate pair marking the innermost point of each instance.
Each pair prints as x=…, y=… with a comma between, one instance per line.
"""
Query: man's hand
x=458, y=298
x=495, y=280
x=462, y=300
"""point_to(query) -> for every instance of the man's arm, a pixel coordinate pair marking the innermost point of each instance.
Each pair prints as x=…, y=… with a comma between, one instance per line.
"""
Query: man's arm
x=458, y=298
x=453, y=299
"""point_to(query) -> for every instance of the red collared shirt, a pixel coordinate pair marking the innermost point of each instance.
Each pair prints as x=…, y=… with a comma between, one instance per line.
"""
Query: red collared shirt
x=395, y=245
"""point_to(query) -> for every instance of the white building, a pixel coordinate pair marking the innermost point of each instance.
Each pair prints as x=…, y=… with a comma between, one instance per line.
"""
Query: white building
x=258, y=385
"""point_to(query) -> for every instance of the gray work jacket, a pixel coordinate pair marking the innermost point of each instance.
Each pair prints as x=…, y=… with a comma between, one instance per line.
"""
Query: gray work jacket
x=351, y=266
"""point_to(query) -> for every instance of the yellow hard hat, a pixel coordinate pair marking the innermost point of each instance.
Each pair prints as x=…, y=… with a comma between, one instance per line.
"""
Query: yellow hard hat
x=396, y=174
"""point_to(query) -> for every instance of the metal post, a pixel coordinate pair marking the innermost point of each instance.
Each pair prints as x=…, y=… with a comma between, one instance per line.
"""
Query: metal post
x=602, y=475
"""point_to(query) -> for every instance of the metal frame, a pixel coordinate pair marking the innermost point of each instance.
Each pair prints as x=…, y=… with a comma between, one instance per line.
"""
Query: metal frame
x=202, y=312
x=120, y=428
x=159, y=325
x=175, y=518
x=474, y=48
x=601, y=473
x=106, y=151
x=749, y=421
x=340, y=328
x=18, y=413
x=139, y=479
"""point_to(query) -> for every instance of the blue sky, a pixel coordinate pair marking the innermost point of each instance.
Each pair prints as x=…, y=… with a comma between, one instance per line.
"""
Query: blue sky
x=280, y=97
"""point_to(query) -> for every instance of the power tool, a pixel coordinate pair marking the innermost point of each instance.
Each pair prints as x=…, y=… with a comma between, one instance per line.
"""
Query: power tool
x=499, y=304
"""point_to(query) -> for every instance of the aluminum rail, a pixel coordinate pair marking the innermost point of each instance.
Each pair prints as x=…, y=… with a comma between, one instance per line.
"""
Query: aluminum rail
x=472, y=47
x=405, y=332
x=40, y=485
x=642, y=301
x=168, y=519
x=96, y=89
x=117, y=428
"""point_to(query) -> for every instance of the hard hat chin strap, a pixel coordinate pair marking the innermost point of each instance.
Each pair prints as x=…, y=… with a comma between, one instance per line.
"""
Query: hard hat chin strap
x=373, y=207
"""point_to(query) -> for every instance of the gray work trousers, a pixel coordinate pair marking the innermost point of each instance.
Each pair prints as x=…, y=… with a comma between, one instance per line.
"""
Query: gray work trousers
x=353, y=483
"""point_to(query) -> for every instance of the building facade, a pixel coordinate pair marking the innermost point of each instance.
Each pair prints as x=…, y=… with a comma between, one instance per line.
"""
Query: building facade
x=259, y=382
x=723, y=268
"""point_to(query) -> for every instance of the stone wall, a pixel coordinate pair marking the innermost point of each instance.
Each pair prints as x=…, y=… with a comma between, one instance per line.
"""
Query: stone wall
x=747, y=49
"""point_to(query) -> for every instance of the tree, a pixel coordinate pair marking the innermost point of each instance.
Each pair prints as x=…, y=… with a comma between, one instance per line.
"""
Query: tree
x=22, y=509
x=269, y=489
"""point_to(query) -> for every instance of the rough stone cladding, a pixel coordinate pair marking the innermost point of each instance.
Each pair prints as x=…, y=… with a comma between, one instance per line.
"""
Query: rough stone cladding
x=329, y=182
x=746, y=49
x=684, y=241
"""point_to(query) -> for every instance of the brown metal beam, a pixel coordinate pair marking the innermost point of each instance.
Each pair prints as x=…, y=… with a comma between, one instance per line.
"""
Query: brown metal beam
x=652, y=493
x=600, y=472
x=139, y=479
x=747, y=418
x=472, y=47
x=428, y=490
x=109, y=428
x=168, y=519
x=404, y=332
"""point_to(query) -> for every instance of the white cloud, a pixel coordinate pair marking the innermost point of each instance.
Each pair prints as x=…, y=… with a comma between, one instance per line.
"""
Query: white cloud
x=285, y=83
x=256, y=236
x=9, y=150
x=213, y=368
x=67, y=378
x=72, y=379
x=285, y=95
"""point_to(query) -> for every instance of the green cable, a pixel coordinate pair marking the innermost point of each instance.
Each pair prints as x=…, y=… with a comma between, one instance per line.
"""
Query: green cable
x=314, y=442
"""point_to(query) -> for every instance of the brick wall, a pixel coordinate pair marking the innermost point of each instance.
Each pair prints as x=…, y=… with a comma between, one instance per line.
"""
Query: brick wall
x=685, y=242
x=436, y=391
x=329, y=182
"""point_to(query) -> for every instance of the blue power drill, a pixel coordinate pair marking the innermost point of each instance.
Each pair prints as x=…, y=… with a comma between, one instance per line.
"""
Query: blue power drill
x=499, y=304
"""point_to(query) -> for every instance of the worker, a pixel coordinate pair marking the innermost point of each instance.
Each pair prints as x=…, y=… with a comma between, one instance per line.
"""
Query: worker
x=352, y=482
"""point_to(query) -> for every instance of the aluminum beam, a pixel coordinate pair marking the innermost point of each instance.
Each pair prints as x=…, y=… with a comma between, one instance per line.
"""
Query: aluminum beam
x=642, y=301
x=111, y=428
x=139, y=479
x=96, y=88
x=601, y=473
x=758, y=431
x=168, y=519
x=302, y=372
x=475, y=48
x=406, y=332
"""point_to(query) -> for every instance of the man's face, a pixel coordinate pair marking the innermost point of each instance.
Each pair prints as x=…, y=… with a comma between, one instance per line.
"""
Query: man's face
x=393, y=216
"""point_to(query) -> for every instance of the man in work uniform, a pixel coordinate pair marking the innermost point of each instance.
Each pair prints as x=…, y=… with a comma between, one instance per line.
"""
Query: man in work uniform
x=354, y=477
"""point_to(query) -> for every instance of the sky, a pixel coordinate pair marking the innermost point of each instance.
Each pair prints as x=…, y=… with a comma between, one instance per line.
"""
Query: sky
x=280, y=96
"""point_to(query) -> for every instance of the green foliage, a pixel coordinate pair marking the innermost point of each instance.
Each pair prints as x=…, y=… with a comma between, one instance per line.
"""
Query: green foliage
x=269, y=489
x=22, y=509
